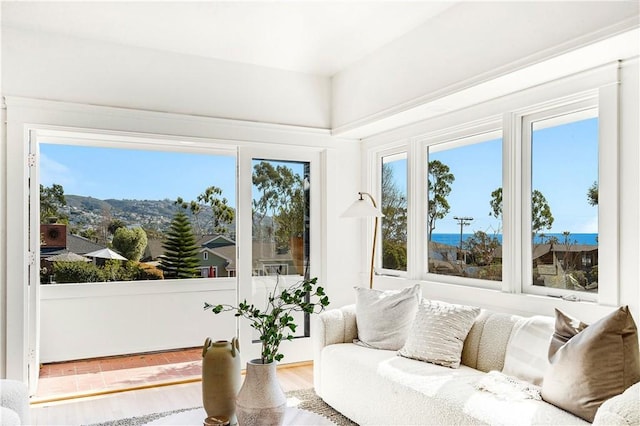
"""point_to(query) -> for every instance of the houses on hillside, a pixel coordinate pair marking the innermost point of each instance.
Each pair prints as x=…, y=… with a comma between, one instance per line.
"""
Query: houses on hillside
x=216, y=254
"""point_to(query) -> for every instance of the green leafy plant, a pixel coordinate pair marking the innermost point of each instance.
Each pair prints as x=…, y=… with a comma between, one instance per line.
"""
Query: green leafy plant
x=275, y=323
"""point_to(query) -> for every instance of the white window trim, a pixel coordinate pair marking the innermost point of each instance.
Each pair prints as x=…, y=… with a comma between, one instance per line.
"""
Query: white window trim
x=557, y=115
x=479, y=132
x=390, y=152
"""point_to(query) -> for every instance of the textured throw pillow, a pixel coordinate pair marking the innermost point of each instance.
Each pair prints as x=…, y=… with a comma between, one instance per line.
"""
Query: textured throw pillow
x=596, y=364
x=526, y=356
x=384, y=317
x=438, y=332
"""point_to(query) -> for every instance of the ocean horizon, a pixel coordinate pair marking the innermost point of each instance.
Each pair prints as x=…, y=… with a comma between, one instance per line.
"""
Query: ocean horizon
x=453, y=239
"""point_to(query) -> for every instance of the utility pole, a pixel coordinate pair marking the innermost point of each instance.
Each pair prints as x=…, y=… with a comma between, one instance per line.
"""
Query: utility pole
x=462, y=221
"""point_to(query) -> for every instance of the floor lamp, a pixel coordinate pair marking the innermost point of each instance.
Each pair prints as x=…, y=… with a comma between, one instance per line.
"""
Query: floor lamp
x=362, y=208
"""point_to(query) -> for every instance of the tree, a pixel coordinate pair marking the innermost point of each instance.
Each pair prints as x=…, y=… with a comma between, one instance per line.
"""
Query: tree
x=282, y=196
x=439, y=182
x=130, y=242
x=394, y=224
x=52, y=200
x=482, y=248
x=221, y=213
x=114, y=225
x=541, y=216
x=592, y=194
x=180, y=249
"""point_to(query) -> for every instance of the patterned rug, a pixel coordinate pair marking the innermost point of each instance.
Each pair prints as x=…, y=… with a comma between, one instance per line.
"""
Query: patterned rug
x=305, y=399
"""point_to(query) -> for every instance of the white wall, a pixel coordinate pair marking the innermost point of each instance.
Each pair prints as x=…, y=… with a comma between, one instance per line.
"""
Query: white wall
x=466, y=45
x=56, y=67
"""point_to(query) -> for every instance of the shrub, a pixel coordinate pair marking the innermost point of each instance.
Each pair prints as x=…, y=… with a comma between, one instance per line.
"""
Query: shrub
x=149, y=272
x=77, y=272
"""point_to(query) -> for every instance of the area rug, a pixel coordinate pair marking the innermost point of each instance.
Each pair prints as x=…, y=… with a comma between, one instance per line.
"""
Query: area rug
x=305, y=399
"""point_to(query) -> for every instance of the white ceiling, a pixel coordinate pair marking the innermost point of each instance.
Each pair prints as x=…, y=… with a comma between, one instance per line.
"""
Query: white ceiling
x=317, y=37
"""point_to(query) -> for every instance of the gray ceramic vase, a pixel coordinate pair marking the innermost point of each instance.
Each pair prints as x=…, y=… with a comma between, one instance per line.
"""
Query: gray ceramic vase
x=220, y=378
x=261, y=400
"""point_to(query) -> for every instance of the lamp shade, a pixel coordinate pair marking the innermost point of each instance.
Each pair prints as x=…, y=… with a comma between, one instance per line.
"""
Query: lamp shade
x=362, y=208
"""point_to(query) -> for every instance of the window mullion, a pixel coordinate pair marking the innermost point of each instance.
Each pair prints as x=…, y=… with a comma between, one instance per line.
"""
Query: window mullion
x=512, y=205
x=608, y=177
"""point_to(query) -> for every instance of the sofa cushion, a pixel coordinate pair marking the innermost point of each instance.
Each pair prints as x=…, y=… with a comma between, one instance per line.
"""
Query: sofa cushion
x=596, y=364
x=486, y=344
x=384, y=317
x=381, y=388
x=438, y=332
x=526, y=356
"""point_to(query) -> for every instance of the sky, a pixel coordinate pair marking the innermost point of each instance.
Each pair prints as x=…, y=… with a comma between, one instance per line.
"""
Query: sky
x=565, y=164
x=105, y=173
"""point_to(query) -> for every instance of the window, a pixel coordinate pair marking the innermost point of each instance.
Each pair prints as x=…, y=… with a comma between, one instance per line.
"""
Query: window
x=562, y=202
x=510, y=201
x=393, y=204
x=464, y=213
x=112, y=214
x=281, y=218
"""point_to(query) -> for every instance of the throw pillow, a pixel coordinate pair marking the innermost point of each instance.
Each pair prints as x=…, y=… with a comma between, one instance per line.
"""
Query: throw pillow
x=384, y=317
x=438, y=332
x=596, y=364
x=565, y=328
x=526, y=356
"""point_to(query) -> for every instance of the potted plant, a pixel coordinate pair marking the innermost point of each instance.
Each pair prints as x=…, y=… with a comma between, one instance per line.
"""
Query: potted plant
x=261, y=400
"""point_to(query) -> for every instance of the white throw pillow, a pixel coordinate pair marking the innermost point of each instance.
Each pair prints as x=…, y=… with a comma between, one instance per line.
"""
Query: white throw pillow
x=438, y=332
x=527, y=351
x=384, y=317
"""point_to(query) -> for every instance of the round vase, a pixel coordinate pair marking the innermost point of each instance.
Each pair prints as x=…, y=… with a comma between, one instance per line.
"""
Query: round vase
x=220, y=378
x=261, y=400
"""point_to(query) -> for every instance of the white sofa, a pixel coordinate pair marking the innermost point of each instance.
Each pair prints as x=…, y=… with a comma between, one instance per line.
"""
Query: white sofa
x=379, y=387
x=14, y=403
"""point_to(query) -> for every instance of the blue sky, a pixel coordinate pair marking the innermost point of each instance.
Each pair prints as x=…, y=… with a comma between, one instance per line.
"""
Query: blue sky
x=137, y=175
x=564, y=157
x=565, y=166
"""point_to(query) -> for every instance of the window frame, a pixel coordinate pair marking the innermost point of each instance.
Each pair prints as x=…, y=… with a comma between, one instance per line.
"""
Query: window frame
x=96, y=139
x=489, y=129
x=556, y=115
x=380, y=155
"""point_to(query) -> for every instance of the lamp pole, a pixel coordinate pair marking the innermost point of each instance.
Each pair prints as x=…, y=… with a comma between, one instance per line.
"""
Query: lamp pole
x=462, y=221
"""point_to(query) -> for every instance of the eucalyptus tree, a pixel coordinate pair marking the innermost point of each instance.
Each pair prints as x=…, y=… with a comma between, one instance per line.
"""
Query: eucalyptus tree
x=439, y=182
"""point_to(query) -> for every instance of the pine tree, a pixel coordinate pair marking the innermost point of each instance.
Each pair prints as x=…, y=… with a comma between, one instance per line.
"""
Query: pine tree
x=180, y=249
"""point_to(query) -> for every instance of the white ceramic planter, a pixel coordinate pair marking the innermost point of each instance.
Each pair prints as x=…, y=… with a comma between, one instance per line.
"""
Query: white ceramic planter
x=261, y=400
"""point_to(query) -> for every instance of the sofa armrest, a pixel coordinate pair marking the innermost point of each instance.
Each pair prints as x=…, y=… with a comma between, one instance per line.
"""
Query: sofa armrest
x=331, y=327
x=623, y=409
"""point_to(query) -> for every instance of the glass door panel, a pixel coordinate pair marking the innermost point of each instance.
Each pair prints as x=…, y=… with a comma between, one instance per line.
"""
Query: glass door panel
x=280, y=231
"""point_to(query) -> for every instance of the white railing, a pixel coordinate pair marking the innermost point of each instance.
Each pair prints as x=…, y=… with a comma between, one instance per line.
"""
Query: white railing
x=81, y=321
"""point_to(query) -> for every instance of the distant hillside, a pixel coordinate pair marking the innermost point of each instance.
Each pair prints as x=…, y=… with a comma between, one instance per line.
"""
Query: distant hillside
x=88, y=211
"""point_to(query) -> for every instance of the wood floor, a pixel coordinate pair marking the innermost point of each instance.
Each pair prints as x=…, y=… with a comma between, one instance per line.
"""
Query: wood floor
x=96, y=409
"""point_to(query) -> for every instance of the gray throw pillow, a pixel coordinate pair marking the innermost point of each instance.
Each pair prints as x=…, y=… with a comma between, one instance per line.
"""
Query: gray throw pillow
x=596, y=364
x=438, y=332
x=384, y=317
